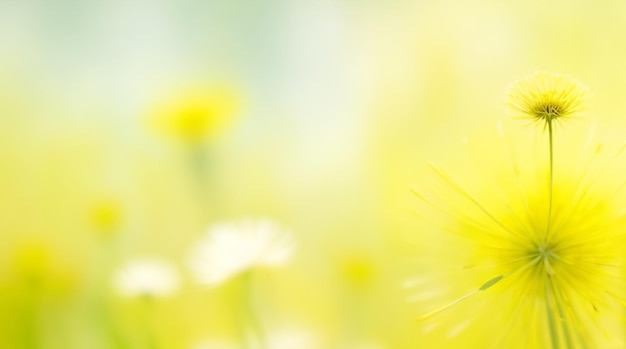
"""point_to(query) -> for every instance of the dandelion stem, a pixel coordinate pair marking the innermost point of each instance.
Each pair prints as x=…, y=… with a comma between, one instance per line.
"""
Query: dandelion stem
x=565, y=325
x=551, y=143
x=554, y=335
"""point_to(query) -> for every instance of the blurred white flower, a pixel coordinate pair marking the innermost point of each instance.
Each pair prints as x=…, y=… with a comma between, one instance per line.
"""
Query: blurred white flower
x=234, y=247
x=146, y=277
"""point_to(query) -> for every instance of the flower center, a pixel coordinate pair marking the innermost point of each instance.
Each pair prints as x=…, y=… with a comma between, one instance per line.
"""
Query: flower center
x=546, y=255
x=548, y=110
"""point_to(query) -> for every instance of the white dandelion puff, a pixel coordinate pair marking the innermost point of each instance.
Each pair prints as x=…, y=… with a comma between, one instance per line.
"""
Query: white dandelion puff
x=231, y=248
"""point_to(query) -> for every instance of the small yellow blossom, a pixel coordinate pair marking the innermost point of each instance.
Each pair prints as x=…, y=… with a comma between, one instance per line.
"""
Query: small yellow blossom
x=546, y=97
x=358, y=270
x=106, y=215
x=195, y=114
x=37, y=266
x=32, y=261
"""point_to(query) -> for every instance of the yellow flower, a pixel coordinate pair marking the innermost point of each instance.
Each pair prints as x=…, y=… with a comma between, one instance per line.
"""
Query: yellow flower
x=546, y=97
x=196, y=113
x=525, y=263
x=38, y=267
x=32, y=261
x=105, y=215
x=358, y=270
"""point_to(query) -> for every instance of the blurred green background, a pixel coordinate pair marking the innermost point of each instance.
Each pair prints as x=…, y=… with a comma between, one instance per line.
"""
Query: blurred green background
x=321, y=114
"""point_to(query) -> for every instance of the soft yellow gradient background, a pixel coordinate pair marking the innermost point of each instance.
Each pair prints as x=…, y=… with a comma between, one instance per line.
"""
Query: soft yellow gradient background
x=341, y=105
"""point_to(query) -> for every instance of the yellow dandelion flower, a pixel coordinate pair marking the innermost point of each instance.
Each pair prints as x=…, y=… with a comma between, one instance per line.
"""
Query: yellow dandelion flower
x=195, y=114
x=520, y=262
x=546, y=97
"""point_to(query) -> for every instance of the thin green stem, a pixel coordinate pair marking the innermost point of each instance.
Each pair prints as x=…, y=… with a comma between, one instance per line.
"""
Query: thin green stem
x=103, y=309
x=29, y=331
x=253, y=330
x=551, y=143
x=564, y=324
x=105, y=320
x=149, y=317
x=255, y=321
x=204, y=179
x=199, y=165
x=554, y=334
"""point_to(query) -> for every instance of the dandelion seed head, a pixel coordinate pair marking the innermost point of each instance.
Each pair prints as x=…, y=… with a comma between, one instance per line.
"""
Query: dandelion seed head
x=546, y=97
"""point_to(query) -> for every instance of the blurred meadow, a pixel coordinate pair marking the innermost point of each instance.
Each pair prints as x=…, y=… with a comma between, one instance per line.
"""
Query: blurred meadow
x=136, y=135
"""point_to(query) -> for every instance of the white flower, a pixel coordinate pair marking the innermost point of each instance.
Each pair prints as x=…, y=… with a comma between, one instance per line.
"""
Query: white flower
x=234, y=247
x=146, y=277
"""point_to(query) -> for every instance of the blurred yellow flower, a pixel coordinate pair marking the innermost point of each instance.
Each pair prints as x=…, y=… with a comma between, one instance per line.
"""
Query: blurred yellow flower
x=197, y=113
x=32, y=261
x=546, y=97
x=358, y=270
x=549, y=257
x=39, y=268
x=106, y=215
